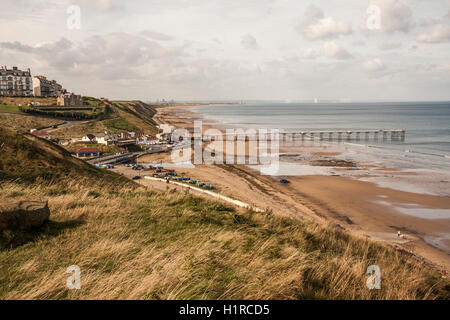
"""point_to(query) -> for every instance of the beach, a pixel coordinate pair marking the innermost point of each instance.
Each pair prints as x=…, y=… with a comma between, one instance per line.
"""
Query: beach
x=329, y=186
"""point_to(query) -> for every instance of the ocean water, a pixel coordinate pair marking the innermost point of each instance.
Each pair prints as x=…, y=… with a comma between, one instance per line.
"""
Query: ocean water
x=425, y=151
x=427, y=124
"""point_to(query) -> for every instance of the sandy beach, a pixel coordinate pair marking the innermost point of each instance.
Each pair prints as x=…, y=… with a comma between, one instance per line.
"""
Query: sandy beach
x=350, y=195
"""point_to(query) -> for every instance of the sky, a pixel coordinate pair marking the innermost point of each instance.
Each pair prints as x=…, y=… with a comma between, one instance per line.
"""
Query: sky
x=234, y=49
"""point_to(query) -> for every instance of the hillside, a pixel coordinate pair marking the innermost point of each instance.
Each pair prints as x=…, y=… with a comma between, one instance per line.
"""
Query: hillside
x=138, y=114
x=24, y=123
x=123, y=116
x=135, y=243
x=25, y=158
x=98, y=116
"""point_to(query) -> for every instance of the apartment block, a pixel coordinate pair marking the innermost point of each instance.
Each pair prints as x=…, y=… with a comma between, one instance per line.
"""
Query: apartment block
x=42, y=87
x=15, y=82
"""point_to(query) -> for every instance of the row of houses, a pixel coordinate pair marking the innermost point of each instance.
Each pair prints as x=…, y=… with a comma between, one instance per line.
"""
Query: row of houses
x=121, y=139
x=19, y=83
x=107, y=139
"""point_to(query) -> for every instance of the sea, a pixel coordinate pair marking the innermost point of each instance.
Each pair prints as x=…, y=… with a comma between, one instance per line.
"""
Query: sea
x=424, y=154
x=427, y=125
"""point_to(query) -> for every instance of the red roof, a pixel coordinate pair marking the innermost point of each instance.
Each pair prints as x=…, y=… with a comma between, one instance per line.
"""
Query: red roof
x=40, y=133
x=88, y=150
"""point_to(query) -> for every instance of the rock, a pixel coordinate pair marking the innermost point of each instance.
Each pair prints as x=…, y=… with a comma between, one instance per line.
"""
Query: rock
x=23, y=214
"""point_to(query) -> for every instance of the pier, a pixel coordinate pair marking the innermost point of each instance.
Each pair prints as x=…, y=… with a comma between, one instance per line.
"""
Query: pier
x=393, y=135
x=390, y=134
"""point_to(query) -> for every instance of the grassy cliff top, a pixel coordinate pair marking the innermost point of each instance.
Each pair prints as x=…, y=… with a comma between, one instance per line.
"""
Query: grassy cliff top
x=123, y=116
x=26, y=158
x=133, y=243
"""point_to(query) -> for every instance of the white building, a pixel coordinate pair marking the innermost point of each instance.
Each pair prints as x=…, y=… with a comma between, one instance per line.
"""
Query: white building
x=88, y=138
x=166, y=128
x=15, y=82
x=106, y=139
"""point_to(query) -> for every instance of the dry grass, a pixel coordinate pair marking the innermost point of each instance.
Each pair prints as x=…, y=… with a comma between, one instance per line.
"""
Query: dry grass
x=131, y=243
x=134, y=244
x=24, y=122
x=80, y=130
x=15, y=101
x=137, y=114
x=125, y=116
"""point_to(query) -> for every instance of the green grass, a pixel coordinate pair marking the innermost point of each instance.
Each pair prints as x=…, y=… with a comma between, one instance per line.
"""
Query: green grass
x=131, y=243
x=9, y=108
x=120, y=124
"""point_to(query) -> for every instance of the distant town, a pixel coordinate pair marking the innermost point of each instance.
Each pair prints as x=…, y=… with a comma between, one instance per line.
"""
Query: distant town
x=19, y=87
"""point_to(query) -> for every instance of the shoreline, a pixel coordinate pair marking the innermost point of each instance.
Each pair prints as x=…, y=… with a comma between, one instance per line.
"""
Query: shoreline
x=361, y=207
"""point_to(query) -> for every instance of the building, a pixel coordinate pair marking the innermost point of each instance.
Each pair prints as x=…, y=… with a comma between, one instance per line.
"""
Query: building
x=88, y=153
x=41, y=134
x=147, y=140
x=57, y=88
x=42, y=87
x=127, y=135
x=106, y=139
x=88, y=138
x=166, y=128
x=69, y=100
x=15, y=82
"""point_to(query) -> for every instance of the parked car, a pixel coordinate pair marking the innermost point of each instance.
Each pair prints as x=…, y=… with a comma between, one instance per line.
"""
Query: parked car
x=136, y=178
x=284, y=181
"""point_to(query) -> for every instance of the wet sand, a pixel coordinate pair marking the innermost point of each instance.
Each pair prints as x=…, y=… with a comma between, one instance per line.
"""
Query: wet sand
x=360, y=207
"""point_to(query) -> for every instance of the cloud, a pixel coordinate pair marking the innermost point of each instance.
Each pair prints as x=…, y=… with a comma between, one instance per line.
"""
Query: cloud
x=374, y=65
x=106, y=55
x=101, y=5
x=290, y=57
x=16, y=46
x=437, y=33
x=309, y=53
x=249, y=42
x=386, y=46
x=359, y=43
x=155, y=35
x=316, y=26
x=333, y=50
x=313, y=12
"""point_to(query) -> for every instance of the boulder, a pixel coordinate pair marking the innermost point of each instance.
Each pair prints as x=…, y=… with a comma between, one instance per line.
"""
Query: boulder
x=23, y=214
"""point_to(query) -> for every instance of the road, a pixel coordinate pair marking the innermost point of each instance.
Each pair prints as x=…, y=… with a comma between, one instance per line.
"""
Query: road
x=126, y=157
x=66, y=124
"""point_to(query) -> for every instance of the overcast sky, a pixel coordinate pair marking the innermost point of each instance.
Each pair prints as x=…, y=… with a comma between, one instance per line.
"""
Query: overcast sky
x=234, y=49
